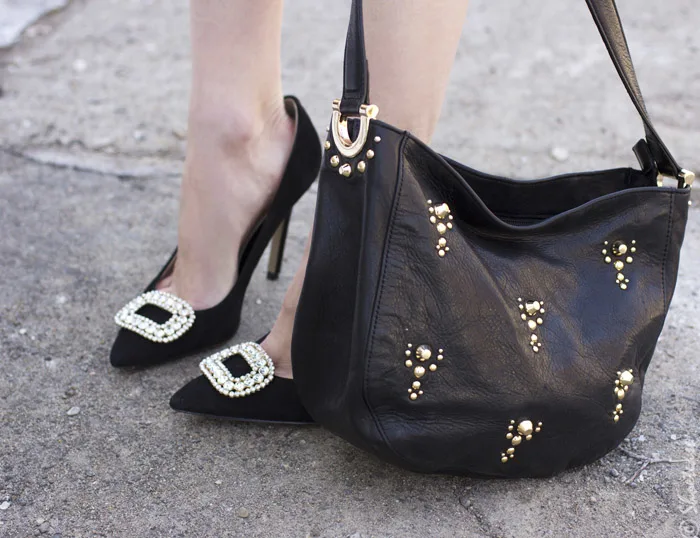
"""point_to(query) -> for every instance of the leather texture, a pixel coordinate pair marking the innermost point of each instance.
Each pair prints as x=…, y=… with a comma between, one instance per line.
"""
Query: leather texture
x=375, y=283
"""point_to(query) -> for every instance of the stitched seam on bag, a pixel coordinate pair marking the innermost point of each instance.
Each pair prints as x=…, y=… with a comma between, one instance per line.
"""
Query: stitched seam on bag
x=666, y=249
x=378, y=298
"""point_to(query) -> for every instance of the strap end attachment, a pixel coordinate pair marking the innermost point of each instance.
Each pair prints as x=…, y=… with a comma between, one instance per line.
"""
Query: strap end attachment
x=341, y=135
x=651, y=168
x=685, y=179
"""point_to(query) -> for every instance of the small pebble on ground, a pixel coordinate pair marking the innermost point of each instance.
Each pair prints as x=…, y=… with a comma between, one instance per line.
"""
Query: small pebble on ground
x=79, y=65
x=559, y=154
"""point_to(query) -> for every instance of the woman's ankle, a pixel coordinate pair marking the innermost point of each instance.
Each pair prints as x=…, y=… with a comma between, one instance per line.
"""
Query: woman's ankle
x=246, y=148
x=278, y=343
x=235, y=162
x=234, y=126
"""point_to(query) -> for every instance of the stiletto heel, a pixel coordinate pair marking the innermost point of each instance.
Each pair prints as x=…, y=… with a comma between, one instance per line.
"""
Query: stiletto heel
x=157, y=326
x=274, y=265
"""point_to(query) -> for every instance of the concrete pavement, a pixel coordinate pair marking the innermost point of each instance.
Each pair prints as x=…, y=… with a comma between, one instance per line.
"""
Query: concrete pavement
x=92, y=128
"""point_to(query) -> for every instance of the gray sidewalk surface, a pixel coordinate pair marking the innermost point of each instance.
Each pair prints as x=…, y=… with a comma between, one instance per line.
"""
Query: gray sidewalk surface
x=92, y=131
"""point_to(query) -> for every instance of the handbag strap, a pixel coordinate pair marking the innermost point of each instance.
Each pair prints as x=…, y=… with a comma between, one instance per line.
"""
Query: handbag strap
x=607, y=19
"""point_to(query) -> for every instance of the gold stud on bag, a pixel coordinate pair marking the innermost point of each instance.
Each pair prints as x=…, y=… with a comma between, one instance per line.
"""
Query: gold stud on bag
x=347, y=147
x=425, y=361
x=624, y=380
x=517, y=434
x=531, y=313
x=440, y=216
x=618, y=255
x=417, y=247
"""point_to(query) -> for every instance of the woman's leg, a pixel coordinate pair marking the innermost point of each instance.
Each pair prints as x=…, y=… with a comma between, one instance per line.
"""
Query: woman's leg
x=239, y=138
x=411, y=45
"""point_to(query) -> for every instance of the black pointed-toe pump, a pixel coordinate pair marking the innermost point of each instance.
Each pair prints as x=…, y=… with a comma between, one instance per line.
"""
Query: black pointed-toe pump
x=157, y=326
x=239, y=384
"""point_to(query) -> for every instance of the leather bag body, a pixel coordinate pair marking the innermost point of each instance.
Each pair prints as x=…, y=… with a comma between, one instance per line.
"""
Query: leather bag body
x=456, y=322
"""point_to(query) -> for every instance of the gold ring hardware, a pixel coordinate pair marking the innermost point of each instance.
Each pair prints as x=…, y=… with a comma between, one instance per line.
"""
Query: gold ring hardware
x=686, y=176
x=346, y=146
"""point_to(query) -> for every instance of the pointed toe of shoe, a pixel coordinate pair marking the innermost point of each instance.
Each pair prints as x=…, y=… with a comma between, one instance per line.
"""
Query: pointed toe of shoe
x=122, y=353
x=277, y=403
x=130, y=349
x=197, y=396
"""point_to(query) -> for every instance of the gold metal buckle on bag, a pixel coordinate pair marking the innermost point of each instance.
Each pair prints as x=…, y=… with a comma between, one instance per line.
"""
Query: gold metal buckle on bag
x=686, y=176
x=339, y=126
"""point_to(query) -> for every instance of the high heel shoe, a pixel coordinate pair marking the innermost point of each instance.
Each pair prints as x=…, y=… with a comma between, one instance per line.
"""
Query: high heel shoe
x=158, y=326
x=241, y=390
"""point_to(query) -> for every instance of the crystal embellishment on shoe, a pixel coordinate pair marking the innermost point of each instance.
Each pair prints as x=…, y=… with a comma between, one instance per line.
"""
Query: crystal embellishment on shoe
x=178, y=324
x=260, y=376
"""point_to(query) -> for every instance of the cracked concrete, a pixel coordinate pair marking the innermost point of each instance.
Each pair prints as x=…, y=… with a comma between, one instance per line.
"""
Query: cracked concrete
x=92, y=135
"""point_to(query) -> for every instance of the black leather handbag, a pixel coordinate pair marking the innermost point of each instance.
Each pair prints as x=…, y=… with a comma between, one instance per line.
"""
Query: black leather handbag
x=457, y=322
